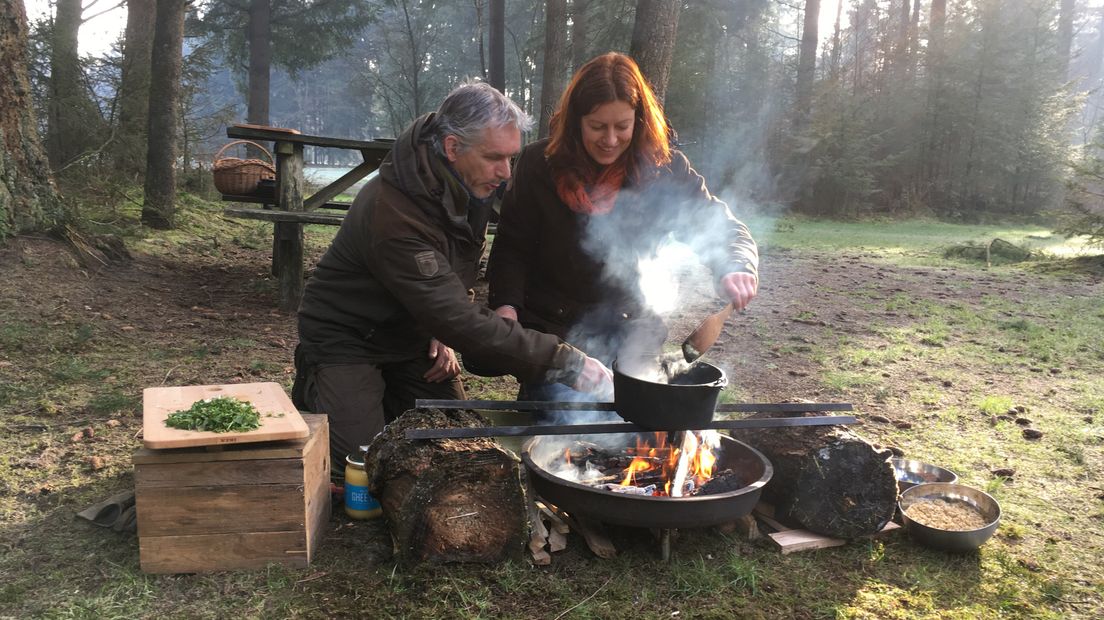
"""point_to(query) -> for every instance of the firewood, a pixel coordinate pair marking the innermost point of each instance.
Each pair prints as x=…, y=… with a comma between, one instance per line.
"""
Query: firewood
x=592, y=532
x=447, y=500
x=554, y=520
x=827, y=479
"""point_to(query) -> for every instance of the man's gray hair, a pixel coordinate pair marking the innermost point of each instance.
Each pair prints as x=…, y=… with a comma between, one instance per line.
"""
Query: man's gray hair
x=469, y=109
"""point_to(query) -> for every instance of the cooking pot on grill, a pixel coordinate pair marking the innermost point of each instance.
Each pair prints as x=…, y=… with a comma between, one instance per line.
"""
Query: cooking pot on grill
x=645, y=395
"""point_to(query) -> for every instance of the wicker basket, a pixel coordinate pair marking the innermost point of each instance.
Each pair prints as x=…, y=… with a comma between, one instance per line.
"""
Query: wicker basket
x=240, y=177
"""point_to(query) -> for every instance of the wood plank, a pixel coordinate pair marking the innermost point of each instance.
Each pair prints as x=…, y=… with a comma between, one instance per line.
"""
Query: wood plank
x=279, y=417
x=275, y=215
x=167, y=511
x=381, y=145
x=792, y=540
x=287, y=449
x=789, y=541
x=593, y=533
x=219, y=473
x=343, y=183
x=216, y=552
x=271, y=200
x=316, y=481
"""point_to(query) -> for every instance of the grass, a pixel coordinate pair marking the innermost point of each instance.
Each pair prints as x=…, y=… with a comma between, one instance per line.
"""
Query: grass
x=947, y=365
x=912, y=240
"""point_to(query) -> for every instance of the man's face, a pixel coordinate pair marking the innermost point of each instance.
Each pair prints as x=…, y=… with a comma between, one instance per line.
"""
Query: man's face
x=486, y=164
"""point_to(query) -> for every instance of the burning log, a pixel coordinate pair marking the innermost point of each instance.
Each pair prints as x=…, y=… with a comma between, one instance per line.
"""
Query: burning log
x=826, y=478
x=447, y=500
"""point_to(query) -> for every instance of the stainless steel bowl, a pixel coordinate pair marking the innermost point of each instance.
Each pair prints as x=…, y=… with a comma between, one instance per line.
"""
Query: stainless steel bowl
x=911, y=473
x=950, y=540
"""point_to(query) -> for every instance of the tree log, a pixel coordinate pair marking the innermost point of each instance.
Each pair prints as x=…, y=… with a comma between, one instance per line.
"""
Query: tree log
x=447, y=500
x=827, y=479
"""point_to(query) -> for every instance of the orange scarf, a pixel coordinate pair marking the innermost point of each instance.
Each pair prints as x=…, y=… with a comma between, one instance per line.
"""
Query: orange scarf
x=589, y=195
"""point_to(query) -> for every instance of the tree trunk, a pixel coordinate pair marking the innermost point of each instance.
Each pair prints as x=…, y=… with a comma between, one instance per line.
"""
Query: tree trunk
x=827, y=479
x=28, y=200
x=447, y=500
x=653, y=41
x=260, y=60
x=133, y=119
x=914, y=39
x=936, y=23
x=72, y=118
x=901, y=49
x=806, y=63
x=480, y=39
x=168, y=38
x=1065, y=34
x=497, y=44
x=837, y=46
x=555, y=59
x=579, y=30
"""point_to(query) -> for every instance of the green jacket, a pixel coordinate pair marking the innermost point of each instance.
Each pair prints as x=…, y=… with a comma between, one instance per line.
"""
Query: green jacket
x=400, y=271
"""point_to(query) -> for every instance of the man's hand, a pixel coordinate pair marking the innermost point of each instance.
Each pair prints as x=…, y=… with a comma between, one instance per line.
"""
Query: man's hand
x=595, y=379
x=740, y=288
x=507, y=312
x=445, y=365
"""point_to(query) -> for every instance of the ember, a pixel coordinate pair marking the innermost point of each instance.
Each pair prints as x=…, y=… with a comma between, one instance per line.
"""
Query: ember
x=659, y=464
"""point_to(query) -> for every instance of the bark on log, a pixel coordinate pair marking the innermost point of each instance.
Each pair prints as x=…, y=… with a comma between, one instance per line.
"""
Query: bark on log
x=827, y=479
x=447, y=500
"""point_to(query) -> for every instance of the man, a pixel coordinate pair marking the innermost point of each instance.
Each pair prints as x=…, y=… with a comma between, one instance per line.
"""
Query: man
x=391, y=297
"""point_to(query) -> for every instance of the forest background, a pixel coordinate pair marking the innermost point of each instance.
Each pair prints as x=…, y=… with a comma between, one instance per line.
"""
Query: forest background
x=970, y=111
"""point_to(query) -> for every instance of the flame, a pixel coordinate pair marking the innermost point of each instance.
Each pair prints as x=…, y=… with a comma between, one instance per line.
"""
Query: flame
x=692, y=462
x=636, y=466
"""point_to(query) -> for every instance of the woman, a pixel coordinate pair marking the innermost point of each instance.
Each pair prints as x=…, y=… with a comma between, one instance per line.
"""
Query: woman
x=586, y=204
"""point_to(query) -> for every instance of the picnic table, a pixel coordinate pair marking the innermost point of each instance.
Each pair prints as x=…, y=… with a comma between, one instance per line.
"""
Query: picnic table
x=287, y=208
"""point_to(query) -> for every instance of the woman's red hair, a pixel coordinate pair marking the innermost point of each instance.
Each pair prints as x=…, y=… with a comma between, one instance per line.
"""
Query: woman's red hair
x=605, y=79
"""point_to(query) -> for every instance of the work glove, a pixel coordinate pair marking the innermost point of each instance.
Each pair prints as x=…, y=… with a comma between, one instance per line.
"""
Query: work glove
x=595, y=379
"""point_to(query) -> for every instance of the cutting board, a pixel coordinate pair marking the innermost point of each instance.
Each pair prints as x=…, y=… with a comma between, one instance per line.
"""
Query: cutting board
x=269, y=399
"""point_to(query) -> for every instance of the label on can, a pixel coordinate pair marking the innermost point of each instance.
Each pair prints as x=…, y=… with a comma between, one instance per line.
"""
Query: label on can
x=358, y=498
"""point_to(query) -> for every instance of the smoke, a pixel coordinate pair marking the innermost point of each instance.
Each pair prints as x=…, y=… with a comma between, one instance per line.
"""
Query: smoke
x=651, y=248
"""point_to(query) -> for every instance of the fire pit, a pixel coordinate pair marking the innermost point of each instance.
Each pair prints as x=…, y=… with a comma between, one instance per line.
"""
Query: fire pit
x=743, y=469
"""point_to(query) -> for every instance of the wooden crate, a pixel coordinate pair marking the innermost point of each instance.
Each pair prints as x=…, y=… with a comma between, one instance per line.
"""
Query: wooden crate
x=241, y=506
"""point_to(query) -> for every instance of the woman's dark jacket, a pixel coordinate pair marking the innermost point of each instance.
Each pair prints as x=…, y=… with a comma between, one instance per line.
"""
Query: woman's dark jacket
x=560, y=268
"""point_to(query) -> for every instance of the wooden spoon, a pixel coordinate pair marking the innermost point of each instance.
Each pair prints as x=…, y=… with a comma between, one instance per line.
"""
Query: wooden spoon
x=705, y=334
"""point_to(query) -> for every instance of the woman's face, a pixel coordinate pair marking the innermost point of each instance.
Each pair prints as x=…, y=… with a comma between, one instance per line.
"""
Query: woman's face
x=608, y=130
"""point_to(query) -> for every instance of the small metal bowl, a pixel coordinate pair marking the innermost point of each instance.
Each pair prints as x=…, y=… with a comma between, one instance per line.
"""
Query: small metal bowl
x=911, y=473
x=950, y=540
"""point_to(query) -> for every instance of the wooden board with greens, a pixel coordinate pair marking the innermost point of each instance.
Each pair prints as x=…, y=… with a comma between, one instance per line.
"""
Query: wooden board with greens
x=202, y=415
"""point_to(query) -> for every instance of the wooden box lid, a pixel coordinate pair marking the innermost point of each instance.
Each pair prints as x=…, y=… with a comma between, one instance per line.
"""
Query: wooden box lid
x=279, y=418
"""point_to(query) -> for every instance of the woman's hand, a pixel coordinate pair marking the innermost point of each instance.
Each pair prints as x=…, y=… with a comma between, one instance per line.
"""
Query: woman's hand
x=740, y=288
x=445, y=366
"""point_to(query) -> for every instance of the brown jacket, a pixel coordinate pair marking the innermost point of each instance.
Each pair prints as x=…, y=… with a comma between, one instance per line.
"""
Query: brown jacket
x=400, y=270
x=561, y=269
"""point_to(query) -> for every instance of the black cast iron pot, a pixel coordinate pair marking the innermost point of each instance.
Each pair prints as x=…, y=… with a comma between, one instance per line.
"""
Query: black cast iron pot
x=686, y=402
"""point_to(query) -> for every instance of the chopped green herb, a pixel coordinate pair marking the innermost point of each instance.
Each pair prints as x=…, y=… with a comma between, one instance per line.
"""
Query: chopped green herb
x=219, y=415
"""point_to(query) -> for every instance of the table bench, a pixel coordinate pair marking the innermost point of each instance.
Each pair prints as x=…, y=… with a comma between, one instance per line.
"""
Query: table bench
x=288, y=209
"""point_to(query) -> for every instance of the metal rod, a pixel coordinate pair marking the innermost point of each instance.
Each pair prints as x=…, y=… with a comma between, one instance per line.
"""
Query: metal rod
x=613, y=427
x=540, y=405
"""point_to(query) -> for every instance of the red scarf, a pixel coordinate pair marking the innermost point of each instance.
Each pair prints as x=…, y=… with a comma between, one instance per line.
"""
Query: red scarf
x=590, y=195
